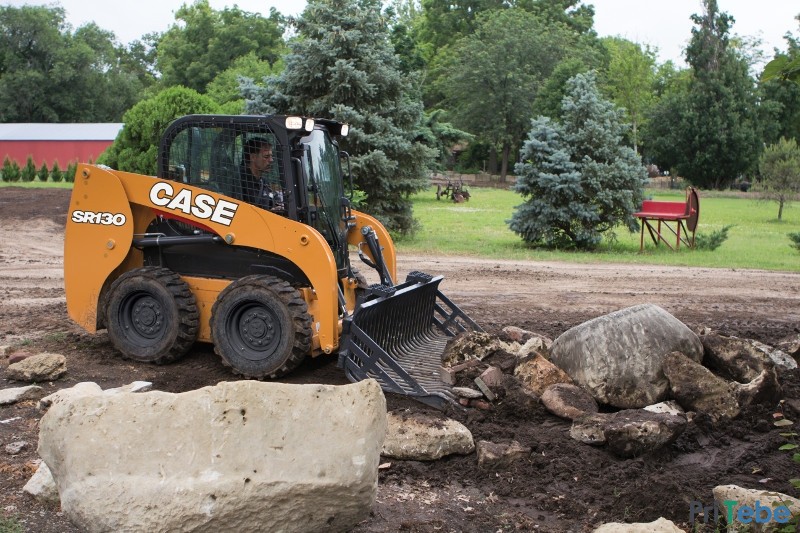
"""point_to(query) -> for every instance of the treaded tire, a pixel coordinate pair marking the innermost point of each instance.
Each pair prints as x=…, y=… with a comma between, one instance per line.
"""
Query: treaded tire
x=261, y=327
x=152, y=315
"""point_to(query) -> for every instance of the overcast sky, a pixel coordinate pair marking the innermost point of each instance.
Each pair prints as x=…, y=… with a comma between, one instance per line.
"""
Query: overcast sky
x=664, y=24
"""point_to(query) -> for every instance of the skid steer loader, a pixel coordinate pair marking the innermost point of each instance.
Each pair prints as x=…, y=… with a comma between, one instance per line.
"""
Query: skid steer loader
x=261, y=269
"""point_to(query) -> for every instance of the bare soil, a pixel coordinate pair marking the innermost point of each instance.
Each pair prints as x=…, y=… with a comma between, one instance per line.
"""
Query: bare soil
x=562, y=486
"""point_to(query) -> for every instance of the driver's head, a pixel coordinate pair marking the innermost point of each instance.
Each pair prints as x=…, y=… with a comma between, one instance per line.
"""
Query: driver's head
x=258, y=155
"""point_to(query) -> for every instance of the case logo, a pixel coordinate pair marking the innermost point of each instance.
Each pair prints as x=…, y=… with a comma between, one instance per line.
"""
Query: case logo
x=202, y=206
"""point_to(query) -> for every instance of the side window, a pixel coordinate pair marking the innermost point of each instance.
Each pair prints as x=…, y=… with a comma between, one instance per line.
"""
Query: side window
x=217, y=157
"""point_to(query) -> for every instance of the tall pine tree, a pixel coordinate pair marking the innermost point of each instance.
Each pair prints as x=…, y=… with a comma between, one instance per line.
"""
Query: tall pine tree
x=343, y=66
x=578, y=178
x=710, y=132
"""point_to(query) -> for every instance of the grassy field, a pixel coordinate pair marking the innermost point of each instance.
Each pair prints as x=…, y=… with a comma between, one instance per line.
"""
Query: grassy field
x=757, y=239
x=478, y=228
x=36, y=184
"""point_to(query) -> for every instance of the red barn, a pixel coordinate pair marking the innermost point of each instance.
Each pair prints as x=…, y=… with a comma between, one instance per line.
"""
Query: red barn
x=48, y=143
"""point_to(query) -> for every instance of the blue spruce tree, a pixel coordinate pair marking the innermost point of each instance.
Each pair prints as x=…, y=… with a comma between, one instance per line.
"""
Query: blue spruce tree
x=578, y=178
x=342, y=65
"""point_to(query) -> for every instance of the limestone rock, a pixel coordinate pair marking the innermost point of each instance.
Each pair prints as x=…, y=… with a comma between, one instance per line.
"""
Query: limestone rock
x=424, y=437
x=618, y=357
x=82, y=389
x=735, y=358
x=568, y=401
x=589, y=429
x=670, y=407
x=42, y=486
x=136, y=386
x=634, y=432
x=790, y=345
x=41, y=367
x=470, y=345
x=697, y=389
x=497, y=456
x=763, y=388
x=538, y=373
x=19, y=394
x=780, y=358
x=749, y=497
x=246, y=455
x=16, y=447
x=662, y=525
x=522, y=336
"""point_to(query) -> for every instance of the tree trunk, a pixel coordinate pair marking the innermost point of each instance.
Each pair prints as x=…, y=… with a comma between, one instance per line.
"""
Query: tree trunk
x=780, y=207
x=504, y=164
x=492, y=161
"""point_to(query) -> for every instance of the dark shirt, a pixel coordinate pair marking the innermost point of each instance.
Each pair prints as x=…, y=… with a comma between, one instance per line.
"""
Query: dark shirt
x=257, y=191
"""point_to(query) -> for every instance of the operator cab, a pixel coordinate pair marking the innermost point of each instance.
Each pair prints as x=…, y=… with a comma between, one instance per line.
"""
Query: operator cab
x=303, y=182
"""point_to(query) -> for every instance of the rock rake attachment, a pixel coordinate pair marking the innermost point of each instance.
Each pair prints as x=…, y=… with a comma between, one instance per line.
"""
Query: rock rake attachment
x=398, y=336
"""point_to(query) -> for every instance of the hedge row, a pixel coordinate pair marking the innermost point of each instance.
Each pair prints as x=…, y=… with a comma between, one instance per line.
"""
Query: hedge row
x=12, y=172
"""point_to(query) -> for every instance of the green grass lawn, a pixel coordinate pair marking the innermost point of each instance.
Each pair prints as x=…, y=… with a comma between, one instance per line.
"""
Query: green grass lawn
x=757, y=239
x=478, y=228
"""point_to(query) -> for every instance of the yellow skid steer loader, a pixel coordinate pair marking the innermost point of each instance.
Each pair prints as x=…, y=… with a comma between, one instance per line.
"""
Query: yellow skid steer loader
x=242, y=240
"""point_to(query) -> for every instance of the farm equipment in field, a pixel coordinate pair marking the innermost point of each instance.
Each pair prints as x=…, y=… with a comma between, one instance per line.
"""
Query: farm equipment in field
x=258, y=266
x=456, y=192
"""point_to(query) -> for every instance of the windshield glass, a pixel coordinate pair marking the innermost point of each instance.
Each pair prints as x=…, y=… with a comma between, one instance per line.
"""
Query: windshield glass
x=325, y=178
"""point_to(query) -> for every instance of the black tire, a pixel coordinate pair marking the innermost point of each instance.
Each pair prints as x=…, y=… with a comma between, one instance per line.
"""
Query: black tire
x=261, y=327
x=152, y=315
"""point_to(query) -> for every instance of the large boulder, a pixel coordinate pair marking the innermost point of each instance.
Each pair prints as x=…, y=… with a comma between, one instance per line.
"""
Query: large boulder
x=635, y=432
x=696, y=388
x=247, y=455
x=618, y=357
x=739, y=360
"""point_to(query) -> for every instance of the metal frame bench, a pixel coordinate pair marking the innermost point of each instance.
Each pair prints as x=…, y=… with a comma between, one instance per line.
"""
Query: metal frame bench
x=677, y=217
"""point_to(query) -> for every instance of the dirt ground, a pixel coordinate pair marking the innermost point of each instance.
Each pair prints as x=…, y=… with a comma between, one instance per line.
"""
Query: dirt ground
x=562, y=486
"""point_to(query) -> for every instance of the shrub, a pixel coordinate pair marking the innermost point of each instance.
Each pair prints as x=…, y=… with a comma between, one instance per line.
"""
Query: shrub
x=43, y=173
x=69, y=174
x=28, y=172
x=10, y=170
x=713, y=240
x=795, y=238
x=55, y=174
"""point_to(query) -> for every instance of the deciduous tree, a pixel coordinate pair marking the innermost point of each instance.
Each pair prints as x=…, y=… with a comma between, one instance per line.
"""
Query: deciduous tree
x=780, y=172
x=494, y=75
x=136, y=147
x=204, y=42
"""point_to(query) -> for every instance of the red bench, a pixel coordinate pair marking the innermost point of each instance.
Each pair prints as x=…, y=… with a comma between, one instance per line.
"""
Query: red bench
x=676, y=217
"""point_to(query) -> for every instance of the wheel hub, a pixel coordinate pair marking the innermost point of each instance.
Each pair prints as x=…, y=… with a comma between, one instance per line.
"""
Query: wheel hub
x=257, y=328
x=147, y=317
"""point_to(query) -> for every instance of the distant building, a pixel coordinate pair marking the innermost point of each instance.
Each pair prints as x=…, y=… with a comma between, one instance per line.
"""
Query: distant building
x=48, y=143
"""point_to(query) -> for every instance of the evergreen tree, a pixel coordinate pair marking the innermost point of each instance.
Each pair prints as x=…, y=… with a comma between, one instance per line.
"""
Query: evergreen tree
x=10, y=170
x=28, y=172
x=343, y=66
x=578, y=178
x=710, y=133
x=55, y=173
x=43, y=173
